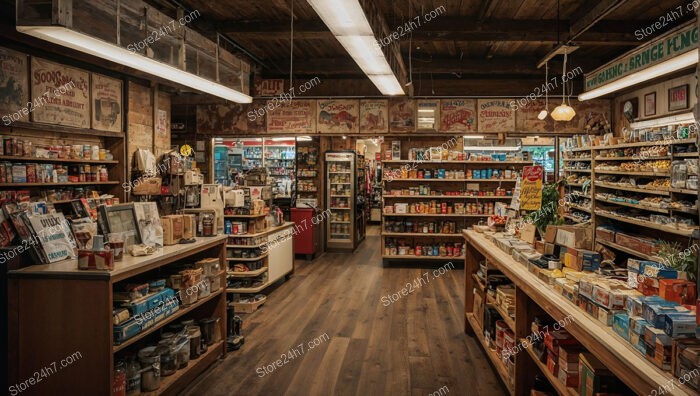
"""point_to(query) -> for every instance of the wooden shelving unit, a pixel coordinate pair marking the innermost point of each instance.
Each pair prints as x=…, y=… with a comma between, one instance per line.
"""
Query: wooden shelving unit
x=43, y=290
x=604, y=206
x=278, y=262
x=533, y=298
x=575, y=159
x=441, y=185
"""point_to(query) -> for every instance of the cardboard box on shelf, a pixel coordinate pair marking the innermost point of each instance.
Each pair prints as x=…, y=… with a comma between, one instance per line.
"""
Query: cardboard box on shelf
x=580, y=237
x=678, y=290
x=604, y=233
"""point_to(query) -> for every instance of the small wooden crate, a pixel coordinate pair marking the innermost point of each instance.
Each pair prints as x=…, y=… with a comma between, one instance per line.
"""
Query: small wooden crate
x=248, y=307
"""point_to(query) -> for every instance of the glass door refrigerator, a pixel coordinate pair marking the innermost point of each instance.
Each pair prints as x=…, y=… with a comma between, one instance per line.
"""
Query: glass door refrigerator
x=340, y=199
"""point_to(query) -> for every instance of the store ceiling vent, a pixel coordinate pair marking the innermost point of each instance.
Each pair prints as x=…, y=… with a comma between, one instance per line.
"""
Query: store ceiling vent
x=133, y=34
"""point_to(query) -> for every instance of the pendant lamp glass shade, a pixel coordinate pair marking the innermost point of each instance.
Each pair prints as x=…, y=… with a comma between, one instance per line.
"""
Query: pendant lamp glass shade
x=563, y=112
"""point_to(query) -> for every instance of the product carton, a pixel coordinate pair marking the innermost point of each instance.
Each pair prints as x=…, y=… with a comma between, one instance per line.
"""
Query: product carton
x=637, y=325
x=594, y=376
x=611, y=295
x=574, y=236
x=654, y=313
x=606, y=316
x=686, y=360
x=569, y=377
x=659, y=271
x=588, y=260
x=621, y=325
x=680, y=324
x=677, y=290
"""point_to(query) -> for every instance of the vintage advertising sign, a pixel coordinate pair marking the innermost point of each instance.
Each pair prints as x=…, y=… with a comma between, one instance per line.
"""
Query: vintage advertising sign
x=496, y=115
x=402, y=115
x=233, y=118
x=338, y=116
x=531, y=188
x=269, y=87
x=106, y=103
x=458, y=115
x=14, y=86
x=293, y=116
x=60, y=94
x=428, y=115
x=374, y=116
x=675, y=43
x=54, y=236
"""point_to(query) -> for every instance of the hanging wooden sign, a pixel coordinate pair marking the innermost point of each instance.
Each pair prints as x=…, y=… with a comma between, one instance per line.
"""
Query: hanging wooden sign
x=496, y=115
x=374, y=116
x=402, y=115
x=60, y=94
x=458, y=115
x=14, y=86
x=106, y=103
x=296, y=116
x=338, y=116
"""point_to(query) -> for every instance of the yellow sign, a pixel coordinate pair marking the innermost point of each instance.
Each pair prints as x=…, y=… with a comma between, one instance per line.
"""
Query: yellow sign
x=186, y=150
x=531, y=189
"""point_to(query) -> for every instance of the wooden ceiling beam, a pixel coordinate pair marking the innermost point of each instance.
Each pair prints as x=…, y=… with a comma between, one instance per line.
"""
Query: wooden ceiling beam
x=502, y=66
x=589, y=15
x=456, y=29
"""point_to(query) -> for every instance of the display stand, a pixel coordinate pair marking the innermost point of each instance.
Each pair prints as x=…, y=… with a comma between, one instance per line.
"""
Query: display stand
x=84, y=300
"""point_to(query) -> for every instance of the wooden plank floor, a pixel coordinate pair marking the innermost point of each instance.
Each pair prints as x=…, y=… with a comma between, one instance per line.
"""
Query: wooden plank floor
x=414, y=346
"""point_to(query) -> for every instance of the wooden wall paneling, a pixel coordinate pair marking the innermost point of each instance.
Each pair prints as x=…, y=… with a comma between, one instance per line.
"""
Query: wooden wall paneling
x=162, y=135
x=661, y=90
x=140, y=120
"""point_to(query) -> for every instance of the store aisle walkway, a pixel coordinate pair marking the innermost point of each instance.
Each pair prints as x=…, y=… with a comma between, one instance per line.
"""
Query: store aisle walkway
x=414, y=346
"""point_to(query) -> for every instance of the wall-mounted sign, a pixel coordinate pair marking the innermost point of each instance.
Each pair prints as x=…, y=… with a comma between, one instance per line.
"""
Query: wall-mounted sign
x=428, y=115
x=678, y=98
x=60, y=94
x=374, y=116
x=676, y=42
x=233, y=118
x=402, y=113
x=496, y=115
x=458, y=115
x=269, y=87
x=106, y=103
x=294, y=116
x=14, y=86
x=338, y=116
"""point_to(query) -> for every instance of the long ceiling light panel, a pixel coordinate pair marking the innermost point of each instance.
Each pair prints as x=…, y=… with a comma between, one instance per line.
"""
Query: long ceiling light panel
x=348, y=23
x=80, y=42
x=672, y=65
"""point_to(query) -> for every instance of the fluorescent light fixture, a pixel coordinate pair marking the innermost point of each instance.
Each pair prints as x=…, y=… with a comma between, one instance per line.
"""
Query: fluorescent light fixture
x=366, y=52
x=102, y=49
x=304, y=138
x=387, y=84
x=672, y=65
x=347, y=21
x=685, y=118
x=474, y=136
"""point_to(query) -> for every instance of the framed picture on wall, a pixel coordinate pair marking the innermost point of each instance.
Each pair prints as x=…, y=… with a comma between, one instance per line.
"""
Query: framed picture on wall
x=650, y=104
x=678, y=98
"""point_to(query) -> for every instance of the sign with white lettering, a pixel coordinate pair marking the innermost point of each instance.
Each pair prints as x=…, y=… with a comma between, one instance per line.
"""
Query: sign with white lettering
x=676, y=42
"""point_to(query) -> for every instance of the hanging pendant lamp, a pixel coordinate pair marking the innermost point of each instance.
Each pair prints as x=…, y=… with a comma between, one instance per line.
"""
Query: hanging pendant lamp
x=563, y=112
x=543, y=114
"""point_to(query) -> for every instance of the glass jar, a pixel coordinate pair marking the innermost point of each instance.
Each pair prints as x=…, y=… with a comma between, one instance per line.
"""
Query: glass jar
x=119, y=384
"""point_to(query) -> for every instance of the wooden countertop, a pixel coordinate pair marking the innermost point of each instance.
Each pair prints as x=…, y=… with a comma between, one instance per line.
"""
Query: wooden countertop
x=617, y=354
x=128, y=267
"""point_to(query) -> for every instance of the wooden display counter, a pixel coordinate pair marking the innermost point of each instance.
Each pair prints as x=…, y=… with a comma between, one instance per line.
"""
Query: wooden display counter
x=57, y=310
x=533, y=296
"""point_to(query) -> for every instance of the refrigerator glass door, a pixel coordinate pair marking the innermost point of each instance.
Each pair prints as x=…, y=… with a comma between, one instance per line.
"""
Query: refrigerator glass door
x=340, y=199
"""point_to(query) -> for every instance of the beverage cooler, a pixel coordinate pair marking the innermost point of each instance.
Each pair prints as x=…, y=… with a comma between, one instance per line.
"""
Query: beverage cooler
x=341, y=192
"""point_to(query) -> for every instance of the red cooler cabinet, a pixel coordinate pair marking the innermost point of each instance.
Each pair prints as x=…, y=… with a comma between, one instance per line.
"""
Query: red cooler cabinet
x=308, y=235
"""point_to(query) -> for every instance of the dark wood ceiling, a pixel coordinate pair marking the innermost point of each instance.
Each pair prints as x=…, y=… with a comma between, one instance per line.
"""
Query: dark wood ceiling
x=492, y=39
